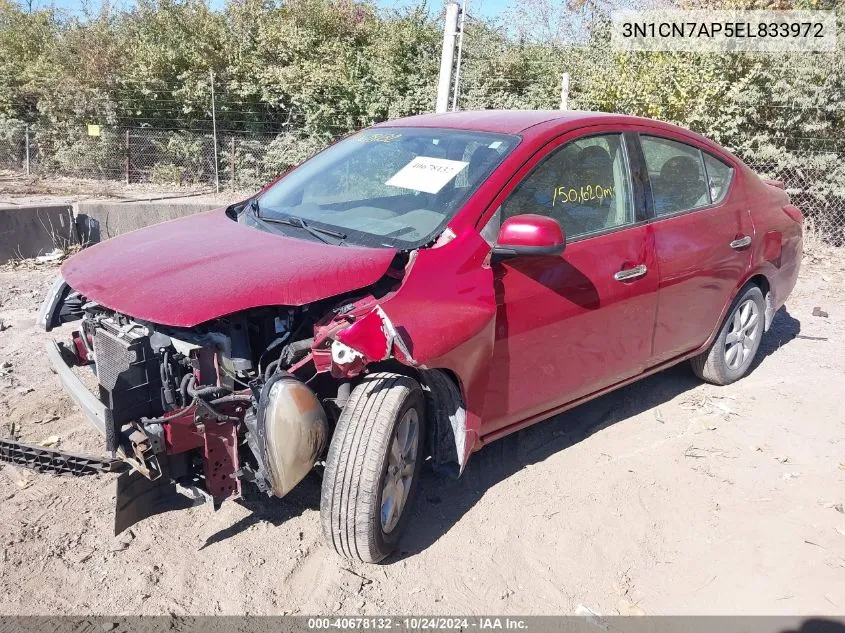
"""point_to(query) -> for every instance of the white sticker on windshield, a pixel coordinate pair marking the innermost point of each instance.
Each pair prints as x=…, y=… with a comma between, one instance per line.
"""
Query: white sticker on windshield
x=428, y=174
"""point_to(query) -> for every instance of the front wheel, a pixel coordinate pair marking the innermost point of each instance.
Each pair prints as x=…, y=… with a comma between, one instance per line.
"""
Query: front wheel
x=373, y=467
x=730, y=356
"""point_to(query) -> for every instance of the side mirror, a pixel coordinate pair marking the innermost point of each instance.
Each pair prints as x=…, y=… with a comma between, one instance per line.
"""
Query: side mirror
x=529, y=234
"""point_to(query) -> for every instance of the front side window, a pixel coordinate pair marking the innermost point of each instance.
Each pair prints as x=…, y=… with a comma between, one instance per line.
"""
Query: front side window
x=393, y=187
x=676, y=172
x=719, y=177
x=585, y=185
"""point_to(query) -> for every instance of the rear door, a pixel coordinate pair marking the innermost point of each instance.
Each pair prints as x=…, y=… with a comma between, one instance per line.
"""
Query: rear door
x=569, y=325
x=702, y=236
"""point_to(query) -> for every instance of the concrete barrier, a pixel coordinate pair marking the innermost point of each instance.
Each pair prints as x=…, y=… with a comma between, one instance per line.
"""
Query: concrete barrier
x=100, y=220
x=32, y=231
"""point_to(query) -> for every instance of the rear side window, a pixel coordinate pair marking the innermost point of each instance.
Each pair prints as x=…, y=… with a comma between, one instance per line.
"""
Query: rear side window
x=677, y=176
x=719, y=177
x=584, y=185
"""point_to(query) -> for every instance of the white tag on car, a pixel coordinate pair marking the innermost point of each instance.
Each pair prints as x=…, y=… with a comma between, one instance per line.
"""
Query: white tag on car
x=427, y=174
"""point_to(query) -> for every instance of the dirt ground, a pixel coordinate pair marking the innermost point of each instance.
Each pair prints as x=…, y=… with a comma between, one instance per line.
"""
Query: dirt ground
x=666, y=497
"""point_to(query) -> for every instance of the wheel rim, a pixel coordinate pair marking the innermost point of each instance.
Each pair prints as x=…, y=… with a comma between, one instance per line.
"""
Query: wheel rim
x=741, y=340
x=401, y=466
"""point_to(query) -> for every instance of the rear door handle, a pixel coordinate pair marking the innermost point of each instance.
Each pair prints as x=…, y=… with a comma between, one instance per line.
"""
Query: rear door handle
x=741, y=242
x=631, y=273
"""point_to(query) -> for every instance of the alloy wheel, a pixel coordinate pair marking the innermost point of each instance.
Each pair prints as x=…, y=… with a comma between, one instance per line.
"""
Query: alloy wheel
x=401, y=465
x=740, y=342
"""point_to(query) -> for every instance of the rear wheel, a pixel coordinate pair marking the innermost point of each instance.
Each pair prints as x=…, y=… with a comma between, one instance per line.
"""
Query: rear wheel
x=730, y=356
x=373, y=467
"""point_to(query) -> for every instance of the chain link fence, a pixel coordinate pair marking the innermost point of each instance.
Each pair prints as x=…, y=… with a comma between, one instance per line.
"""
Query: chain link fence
x=814, y=179
x=182, y=158
x=137, y=155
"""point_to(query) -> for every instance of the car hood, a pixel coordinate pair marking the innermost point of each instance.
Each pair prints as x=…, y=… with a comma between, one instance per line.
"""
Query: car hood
x=191, y=270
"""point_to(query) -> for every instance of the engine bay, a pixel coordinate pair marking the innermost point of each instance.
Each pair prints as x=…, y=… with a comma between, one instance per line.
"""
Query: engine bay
x=204, y=409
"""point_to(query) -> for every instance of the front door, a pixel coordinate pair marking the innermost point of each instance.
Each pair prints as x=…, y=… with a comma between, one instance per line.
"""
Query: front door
x=571, y=325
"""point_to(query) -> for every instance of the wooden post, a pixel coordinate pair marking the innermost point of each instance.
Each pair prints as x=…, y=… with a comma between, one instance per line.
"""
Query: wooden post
x=232, y=162
x=126, y=159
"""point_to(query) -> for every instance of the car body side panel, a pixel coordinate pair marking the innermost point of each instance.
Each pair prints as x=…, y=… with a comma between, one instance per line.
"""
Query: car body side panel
x=566, y=327
x=699, y=272
x=779, y=247
x=444, y=313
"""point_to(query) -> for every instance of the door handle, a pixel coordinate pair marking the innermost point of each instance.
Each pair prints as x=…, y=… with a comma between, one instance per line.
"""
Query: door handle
x=741, y=242
x=631, y=273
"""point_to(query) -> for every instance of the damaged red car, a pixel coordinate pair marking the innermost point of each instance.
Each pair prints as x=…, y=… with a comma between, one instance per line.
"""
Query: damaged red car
x=410, y=294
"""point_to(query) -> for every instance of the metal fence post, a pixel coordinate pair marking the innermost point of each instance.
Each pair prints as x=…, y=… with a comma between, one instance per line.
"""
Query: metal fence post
x=214, y=133
x=27, y=149
x=126, y=159
x=232, y=162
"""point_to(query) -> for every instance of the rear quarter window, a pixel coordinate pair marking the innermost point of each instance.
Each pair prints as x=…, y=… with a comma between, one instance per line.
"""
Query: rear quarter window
x=719, y=177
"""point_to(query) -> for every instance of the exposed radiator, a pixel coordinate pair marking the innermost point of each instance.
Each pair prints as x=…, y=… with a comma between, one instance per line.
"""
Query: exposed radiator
x=129, y=374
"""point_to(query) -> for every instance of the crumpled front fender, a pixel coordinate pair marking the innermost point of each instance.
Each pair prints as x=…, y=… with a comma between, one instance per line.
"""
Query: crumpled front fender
x=442, y=316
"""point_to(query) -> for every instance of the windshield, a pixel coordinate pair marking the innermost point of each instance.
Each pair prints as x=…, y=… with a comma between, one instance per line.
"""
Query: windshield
x=394, y=187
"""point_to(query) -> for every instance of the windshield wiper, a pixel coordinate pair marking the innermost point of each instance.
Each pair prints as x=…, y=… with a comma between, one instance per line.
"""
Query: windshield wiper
x=292, y=220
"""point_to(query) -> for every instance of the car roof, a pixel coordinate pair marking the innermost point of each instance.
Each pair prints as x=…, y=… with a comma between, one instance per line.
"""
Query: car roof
x=536, y=124
x=508, y=121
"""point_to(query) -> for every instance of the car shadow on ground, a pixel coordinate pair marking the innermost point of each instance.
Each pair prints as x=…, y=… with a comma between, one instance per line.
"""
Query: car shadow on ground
x=441, y=502
x=306, y=496
x=819, y=625
x=784, y=328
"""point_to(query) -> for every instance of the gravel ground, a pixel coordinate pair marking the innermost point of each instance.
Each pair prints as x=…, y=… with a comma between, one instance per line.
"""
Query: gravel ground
x=666, y=497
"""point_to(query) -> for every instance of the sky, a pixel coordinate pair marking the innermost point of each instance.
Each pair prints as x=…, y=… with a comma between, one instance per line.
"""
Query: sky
x=479, y=8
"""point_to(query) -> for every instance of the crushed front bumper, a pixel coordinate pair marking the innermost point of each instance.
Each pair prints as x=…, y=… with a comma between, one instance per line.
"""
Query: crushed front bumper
x=48, y=318
x=47, y=460
x=95, y=411
x=137, y=497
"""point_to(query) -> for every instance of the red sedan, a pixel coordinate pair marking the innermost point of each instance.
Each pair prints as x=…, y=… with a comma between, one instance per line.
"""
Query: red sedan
x=414, y=292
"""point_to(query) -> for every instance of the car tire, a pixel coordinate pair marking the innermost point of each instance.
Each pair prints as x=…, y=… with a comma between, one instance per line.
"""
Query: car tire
x=732, y=353
x=373, y=467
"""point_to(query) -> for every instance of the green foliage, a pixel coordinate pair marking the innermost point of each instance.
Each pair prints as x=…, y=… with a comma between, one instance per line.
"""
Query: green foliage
x=326, y=67
x=298, y=73
x=255, y=162
x=288, y=150
x=190, y=152
x=81, y=155
x=167, y=174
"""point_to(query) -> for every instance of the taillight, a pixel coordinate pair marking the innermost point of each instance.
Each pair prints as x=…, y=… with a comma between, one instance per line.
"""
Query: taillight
x=794, y=213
